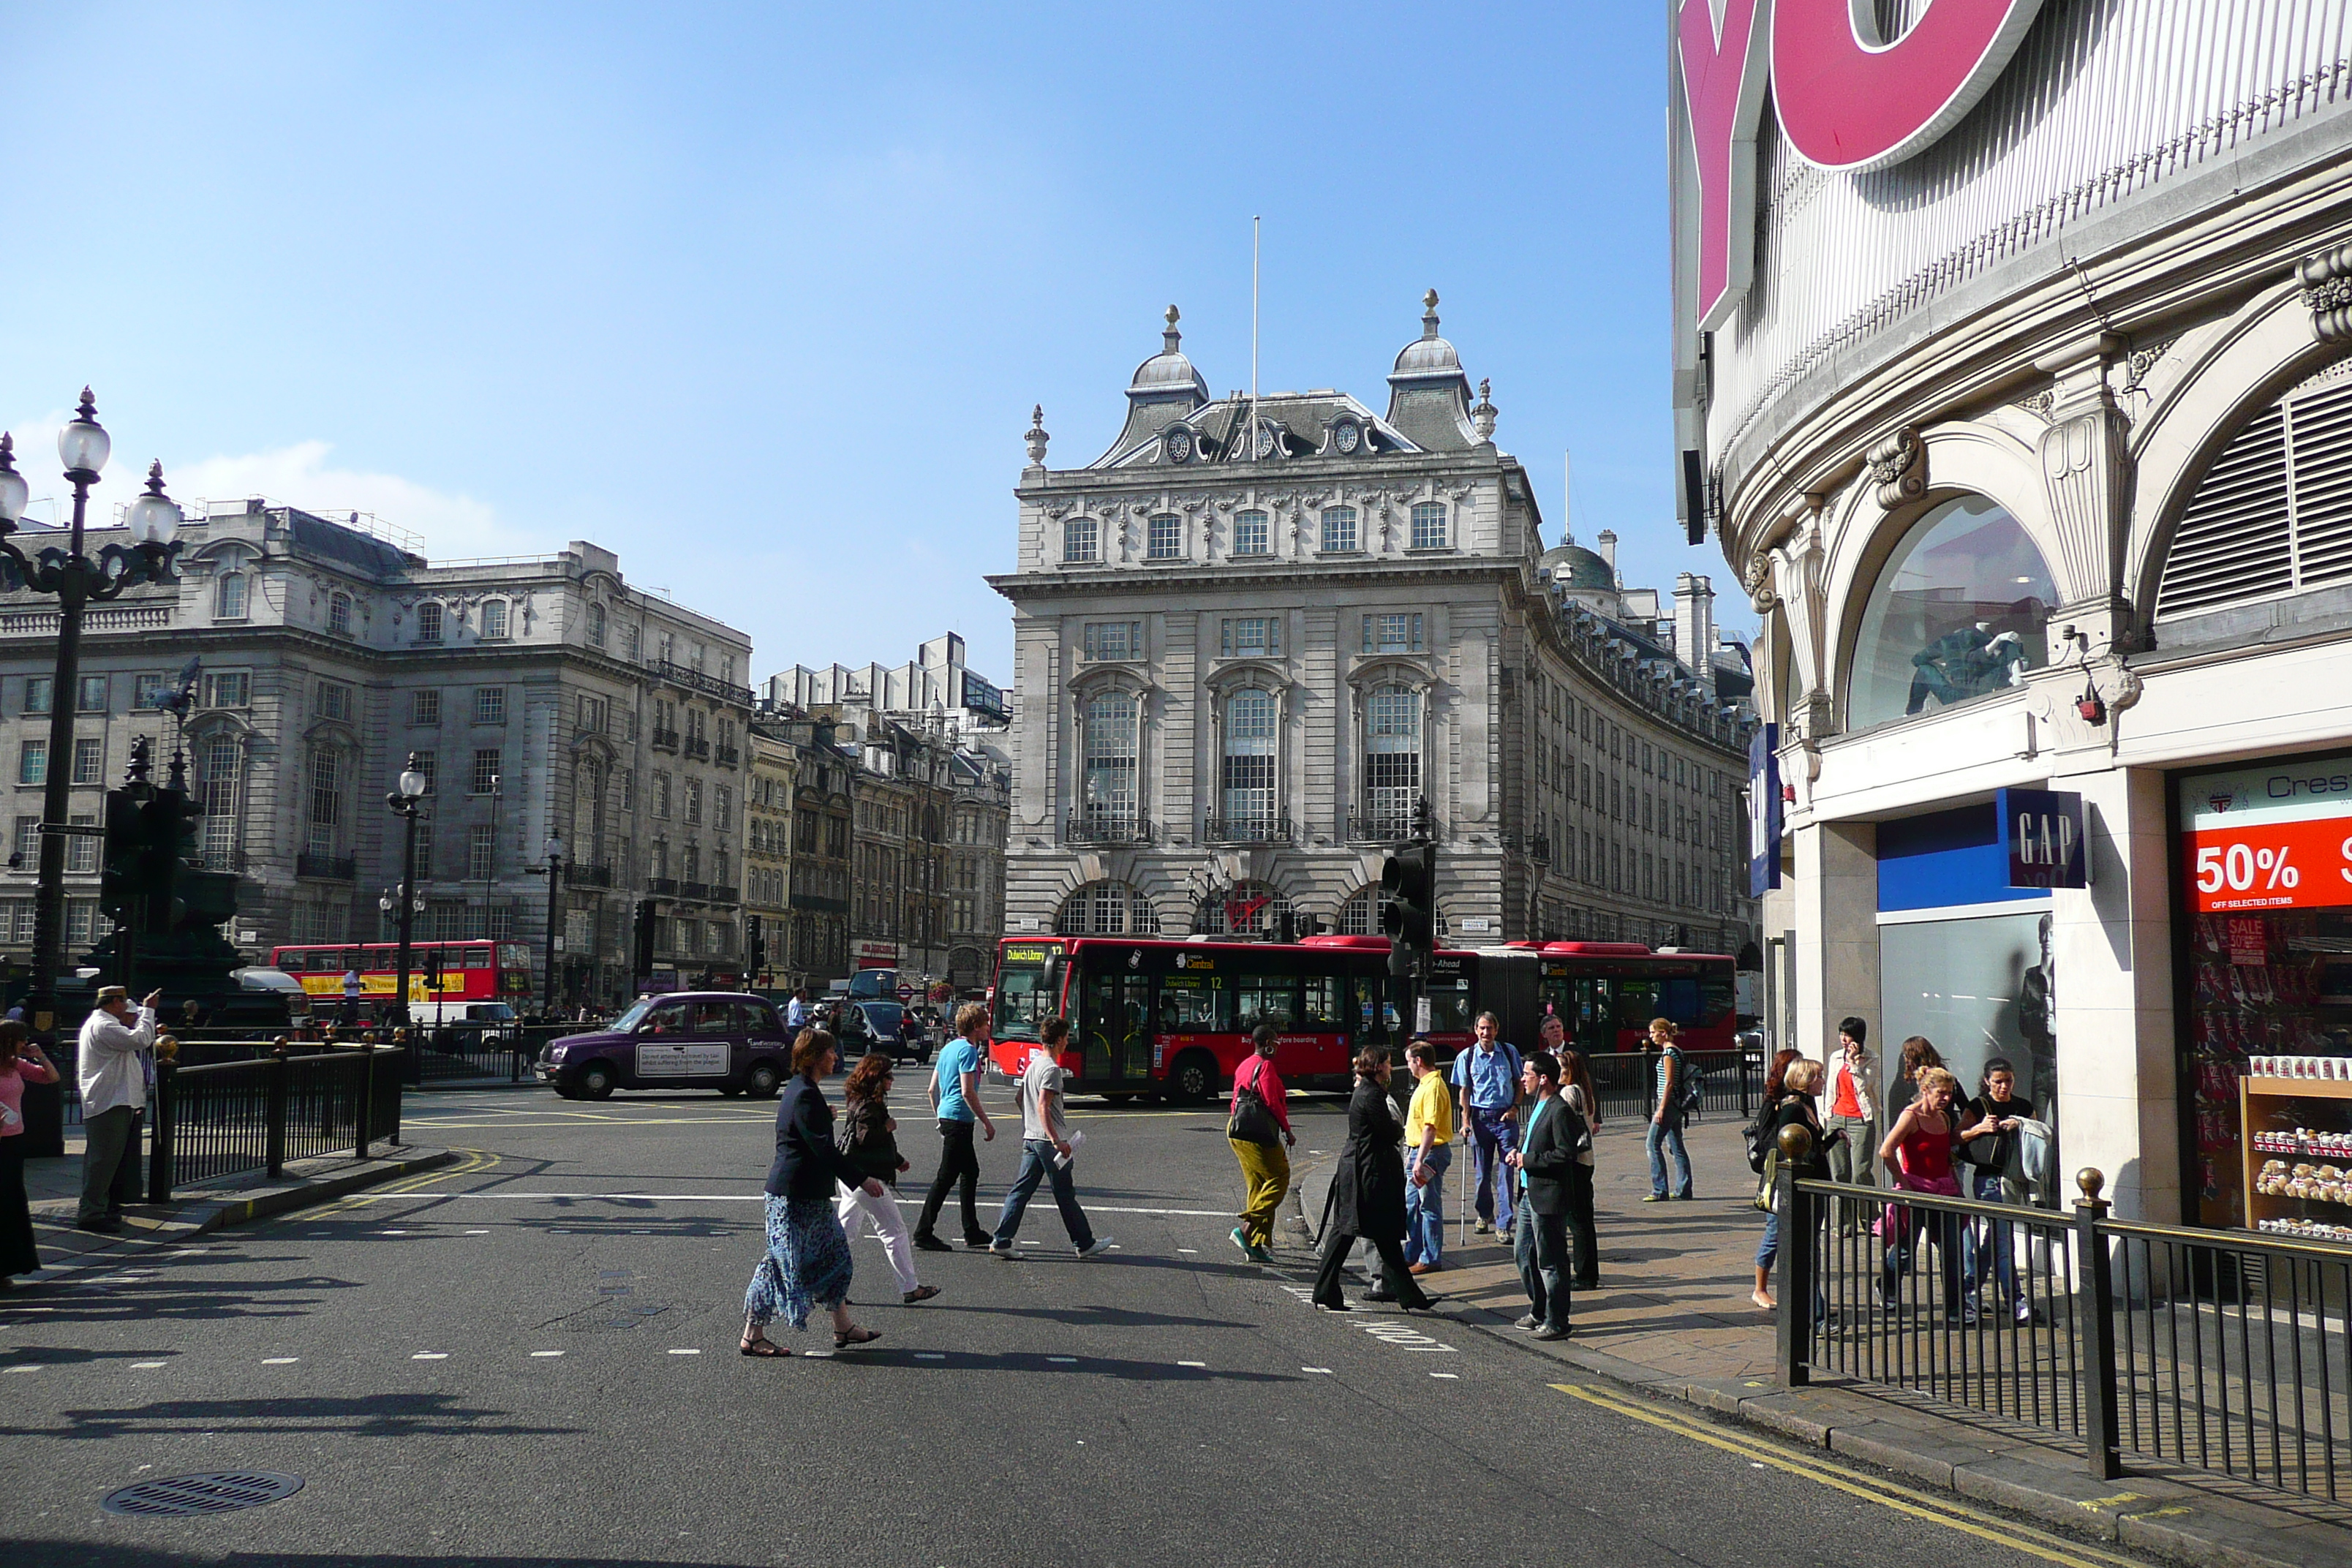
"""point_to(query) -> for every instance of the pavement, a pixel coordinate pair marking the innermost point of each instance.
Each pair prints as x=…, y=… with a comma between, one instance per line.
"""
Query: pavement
x=526, y=1358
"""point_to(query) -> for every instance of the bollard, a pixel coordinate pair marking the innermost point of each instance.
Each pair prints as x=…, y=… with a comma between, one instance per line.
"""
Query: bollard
x=274, y=1135
x=367, y=1097
x=165, y=1112
x=1794, y=1322
x=2102, y=1441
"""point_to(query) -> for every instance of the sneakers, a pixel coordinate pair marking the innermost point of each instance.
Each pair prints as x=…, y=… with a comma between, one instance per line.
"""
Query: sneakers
x=1656, y=1198
x=1530, y=1321
x=1003, y=1251
x=1242, y=1240
x=980, y=1242
x=1484, y=1228
x=927, y=1242
x=1503, y=1234
x=1551, y=1333
x=1100, y=1244
x=1260, y=1255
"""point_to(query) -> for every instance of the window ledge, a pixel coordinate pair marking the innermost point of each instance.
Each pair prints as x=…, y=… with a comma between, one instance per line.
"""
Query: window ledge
x=1339, y=555
x=1432, y=549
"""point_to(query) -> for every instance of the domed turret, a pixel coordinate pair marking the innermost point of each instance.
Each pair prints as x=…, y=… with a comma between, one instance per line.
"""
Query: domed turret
x=1429, y=395
x=1572, y=566
x=1168, y=371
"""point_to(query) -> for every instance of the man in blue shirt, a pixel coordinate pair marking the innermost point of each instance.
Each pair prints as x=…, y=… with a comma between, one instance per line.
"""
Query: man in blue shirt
x=796, y=1012
x=955, y=1092
x=1487, y=1077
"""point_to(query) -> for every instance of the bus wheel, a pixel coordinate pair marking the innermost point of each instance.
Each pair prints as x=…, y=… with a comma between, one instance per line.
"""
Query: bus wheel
x=762, y=1080
x=1193, y=1080
x=596, y=1082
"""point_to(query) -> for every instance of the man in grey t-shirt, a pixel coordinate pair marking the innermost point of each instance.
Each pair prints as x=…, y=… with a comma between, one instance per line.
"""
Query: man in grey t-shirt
x=1045, y=1150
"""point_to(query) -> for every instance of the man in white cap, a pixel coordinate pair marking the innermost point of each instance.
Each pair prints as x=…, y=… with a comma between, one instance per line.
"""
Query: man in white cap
x=113, y=1062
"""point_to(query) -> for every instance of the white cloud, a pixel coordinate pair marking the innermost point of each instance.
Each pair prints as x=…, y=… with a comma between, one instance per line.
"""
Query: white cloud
x=448, y=526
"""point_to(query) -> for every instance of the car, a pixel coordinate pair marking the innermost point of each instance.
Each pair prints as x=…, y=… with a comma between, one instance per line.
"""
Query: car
x=731, y=1041
x=878, y=1026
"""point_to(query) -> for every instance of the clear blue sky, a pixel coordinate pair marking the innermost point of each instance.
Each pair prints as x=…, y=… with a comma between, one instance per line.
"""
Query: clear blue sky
x=760, y=297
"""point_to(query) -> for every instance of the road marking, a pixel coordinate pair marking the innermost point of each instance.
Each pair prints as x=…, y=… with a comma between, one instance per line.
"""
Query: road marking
x=26, y=1366
x=538, y=1354
x=751, y=1197
x=145, y=1365
x=686, y=1352
x=1063, y=1360
x=1191, y=1250
x=930, y=1355
x=1199, y=1363
x=430, y=1355
x=477, y=1233
x=2017, y=1536
x=392, y=1233
x=1452, y=1375
x=279, y=1360
x=1324, y=1370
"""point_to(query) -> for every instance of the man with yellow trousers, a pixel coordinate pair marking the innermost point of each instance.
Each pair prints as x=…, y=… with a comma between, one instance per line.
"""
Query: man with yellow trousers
x=1258, y=1128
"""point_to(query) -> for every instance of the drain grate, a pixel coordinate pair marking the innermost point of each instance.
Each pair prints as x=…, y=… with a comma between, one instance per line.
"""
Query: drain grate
x=215, y=1491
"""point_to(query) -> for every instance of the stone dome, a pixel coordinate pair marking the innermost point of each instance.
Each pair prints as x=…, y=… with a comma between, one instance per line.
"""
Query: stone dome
x=1429, y=355
x=1169, y=370
x=1573, y=566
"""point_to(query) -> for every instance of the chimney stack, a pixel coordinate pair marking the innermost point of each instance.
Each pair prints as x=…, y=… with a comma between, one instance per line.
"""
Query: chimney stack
x=1694, y=626
x=1605, y=544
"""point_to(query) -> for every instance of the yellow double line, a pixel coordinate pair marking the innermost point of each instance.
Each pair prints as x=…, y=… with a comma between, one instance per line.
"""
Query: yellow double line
x=469, y=1161
x=2018, y=1537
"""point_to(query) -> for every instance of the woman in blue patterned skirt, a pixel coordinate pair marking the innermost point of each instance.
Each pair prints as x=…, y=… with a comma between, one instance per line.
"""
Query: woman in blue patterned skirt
x=807, y=1263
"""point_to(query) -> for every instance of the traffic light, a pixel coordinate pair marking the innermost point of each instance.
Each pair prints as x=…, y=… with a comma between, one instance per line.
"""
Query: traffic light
x=1409, y=905
x=644, y=937
x=755, y=951
x=122, y=869
x=432, y=970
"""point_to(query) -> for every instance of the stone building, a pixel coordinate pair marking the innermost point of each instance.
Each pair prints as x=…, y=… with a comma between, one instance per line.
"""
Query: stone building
x=1256, y=633
x=769, y=797
x=545, y=698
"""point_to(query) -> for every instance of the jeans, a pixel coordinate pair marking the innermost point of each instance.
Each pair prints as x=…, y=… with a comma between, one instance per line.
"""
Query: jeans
x=1540, y=1249
x=958, y=1161
x=889, y=1228
x=1584, y=1242
x=1267, y=1168
x=1038, y=1164
x=1853, y=1162
x=1425, y=1207
x=1768, y=1253
x=1989, y=1246
x=1663, y=1136
x=1931, y=1226
x=109, y=1163
x=1491, y=1138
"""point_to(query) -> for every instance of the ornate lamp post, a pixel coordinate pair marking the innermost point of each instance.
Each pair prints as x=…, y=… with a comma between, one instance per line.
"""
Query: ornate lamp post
x=77, y=581
x=554, y=851
x=405, y=800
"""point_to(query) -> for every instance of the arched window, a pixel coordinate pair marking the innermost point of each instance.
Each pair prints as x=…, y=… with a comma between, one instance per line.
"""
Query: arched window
x=1247, y=909
x=1108, y=792
x=1107, y=909
x=595, y=625
x=228, y=597
x=428, y=622
x=338, y=614
x=1246, y=779
x=494, y=617
x=1391, y=759
x=1250, y=536
x=1081, y=540
x=1958, y=611
x=2273, y=516
x=1359, y=916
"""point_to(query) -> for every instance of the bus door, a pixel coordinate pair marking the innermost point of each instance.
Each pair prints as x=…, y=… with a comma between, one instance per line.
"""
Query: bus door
x=1116, y=1046
x=1186, y=1009
x=1322, y=1036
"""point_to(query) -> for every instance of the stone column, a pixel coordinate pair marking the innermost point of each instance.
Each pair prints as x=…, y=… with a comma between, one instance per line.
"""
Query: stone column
x=1836, y=878
x=2111, y=950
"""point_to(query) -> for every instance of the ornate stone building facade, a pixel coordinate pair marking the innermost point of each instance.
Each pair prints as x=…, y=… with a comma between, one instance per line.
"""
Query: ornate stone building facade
x=1253, y=635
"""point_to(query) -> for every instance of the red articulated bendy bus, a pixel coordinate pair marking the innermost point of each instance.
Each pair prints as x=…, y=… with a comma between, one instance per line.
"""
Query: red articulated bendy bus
x=1154, y=1016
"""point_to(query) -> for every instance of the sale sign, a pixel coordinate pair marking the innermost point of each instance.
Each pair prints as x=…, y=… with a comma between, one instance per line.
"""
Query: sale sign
x=2277, y=837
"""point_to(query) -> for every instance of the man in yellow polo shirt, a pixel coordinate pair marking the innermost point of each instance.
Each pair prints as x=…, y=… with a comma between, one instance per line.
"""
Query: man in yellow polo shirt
x=1428, y=1132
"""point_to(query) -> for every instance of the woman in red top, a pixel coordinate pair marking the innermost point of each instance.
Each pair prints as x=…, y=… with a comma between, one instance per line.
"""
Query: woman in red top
x=1252, y=1133
x=1918, y=1151
x=21, y=1062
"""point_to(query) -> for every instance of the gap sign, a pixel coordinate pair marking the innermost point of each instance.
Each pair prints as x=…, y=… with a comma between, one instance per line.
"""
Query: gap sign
x=2042, y=833
x=1764, y=810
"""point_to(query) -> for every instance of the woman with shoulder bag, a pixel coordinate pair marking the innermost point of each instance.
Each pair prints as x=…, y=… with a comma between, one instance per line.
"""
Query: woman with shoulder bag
x=1788, y=1103
x=869, y=1138
x=807, y=1262
x=1258, y=1127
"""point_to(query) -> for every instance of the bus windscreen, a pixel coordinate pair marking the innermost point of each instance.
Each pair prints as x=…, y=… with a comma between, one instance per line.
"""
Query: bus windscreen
x=1025, y=992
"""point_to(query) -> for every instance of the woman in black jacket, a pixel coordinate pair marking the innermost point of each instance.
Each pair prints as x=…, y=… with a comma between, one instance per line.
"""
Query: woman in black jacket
x=1368, y=1192
x=807, y=1263
x=1794, y=1107
x=870, y=1139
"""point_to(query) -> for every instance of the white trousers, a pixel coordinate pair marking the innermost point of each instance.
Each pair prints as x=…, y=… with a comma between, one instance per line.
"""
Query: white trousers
x=889, y=1228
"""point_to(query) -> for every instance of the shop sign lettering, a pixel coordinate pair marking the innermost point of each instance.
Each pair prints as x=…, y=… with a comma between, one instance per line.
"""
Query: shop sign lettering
x=1764, y=811
x=1846, y=103
x=2042, y=831
x=2274, y=837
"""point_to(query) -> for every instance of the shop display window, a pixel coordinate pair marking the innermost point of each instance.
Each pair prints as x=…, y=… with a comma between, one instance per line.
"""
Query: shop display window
x=1958, y=611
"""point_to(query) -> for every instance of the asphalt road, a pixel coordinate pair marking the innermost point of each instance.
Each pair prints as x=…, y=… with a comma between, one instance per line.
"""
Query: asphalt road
x=531, y=1359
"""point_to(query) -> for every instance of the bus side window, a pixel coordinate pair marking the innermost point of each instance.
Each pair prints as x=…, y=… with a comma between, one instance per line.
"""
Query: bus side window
x=1678, y=1000
x=1637, y=1003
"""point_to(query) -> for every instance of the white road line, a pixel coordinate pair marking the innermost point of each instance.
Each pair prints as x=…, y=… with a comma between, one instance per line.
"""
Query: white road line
x=430, y=1355
x=1190, y=1249
x=1201, y=1363
x=28, y=1367
x=279, y=1360
x=734, y=1198
x=1063, y=1360
x=537, y=1353
x=1453, y=1375
x=930, y=1355
x=686, y=1352
x=1324, y=1370
x=477, y=1233
x=145, y=1365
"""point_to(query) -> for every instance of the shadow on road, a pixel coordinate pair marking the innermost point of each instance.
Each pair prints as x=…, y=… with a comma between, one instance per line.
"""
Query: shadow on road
x=375, y=1415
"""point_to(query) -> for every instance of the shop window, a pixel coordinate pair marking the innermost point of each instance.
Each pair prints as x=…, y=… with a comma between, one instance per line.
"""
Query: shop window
x=1958, y=611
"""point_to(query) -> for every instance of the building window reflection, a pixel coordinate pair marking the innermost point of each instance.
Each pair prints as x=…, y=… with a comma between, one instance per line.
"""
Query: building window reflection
x=1960, y=610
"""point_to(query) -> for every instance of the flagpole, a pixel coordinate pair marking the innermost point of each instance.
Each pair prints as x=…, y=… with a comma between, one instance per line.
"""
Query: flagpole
x=1256, y=224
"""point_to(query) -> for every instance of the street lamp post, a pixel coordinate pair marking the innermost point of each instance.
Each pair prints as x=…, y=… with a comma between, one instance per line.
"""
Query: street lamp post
x=554, y=886
x=406, y=800
x=77, y=581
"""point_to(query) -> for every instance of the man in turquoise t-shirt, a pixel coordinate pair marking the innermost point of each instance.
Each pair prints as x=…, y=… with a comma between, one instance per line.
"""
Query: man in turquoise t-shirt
x=955, y=1091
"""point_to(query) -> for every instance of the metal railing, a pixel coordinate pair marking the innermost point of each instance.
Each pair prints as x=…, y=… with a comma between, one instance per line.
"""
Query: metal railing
x=327, y=868
x=1626, y=1081
x=2225, y=1352
x=1245, y=830
x=234, y=1118
x=699, y=748
x=661, y=885
x=728, y=756
x=664, y=740
x=578, y=875
x=695, y=680
x=1380, y=827
x=1105, y=828
x=446, y=1052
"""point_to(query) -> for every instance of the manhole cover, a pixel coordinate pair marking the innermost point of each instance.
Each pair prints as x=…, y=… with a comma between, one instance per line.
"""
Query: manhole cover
x=215, y=1491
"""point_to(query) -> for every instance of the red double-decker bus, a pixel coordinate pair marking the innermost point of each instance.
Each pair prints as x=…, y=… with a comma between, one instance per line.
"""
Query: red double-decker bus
x=443, y=976
x=1151, y=1016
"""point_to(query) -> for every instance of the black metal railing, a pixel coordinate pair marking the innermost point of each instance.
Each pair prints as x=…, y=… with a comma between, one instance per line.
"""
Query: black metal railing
x=662, y=886
x=236, y=1118
x=2225, y=1351
x=665, y=740
x=697, y=747
x=695, y=680
x=1245, y=830
x=328, y=868
x=693, y=890
x=1105, y=828
x=578, y=876
x=448, y=1052
x=728, y=756
x=1626, y=1081
x=1380, y=827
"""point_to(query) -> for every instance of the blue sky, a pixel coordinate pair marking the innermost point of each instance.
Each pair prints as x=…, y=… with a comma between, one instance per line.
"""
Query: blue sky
x=762, y=298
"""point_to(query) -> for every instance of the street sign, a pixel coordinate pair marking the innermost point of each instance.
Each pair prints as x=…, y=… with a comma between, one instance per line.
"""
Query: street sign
x=71, y=830
x=905, y=994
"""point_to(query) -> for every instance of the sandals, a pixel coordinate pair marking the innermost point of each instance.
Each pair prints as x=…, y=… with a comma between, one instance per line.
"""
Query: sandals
x=762, y=1349
x=855, y=1338
x=920, y=1293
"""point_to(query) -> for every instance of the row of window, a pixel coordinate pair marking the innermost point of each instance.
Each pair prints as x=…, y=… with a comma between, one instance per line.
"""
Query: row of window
x=37, y=694
x=1251, y=637
x=86, y=923
x=1109, y=792
x=1338, y=534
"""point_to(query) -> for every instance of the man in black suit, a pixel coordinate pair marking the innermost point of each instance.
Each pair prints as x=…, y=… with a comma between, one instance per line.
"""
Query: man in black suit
x=1553, y=1137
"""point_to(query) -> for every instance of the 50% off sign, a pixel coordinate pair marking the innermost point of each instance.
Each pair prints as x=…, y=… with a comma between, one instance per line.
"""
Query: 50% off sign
x=2273, y=865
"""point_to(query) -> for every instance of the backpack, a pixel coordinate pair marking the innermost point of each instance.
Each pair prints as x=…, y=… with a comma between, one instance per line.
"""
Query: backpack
x=1690, y=1087
x=1757, y=1135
